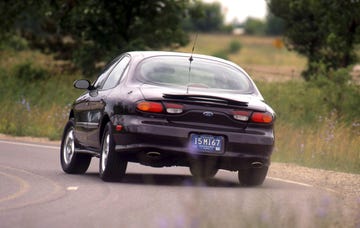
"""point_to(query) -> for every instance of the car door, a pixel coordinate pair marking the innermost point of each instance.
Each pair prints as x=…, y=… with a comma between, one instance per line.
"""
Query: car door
x=99, y=99
x=82, y=107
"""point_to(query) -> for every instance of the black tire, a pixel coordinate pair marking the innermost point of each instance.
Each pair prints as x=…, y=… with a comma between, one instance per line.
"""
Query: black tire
x=72, y=162
x=252, y=176
x=203, y=170
x=111, y=166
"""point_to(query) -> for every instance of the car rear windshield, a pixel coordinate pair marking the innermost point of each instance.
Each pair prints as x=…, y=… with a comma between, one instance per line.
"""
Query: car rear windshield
x=204, y=73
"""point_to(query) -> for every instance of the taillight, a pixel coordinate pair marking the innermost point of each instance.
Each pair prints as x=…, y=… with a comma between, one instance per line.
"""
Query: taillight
x=241, y=115
x=148, y=106
x=262, y=117
x=174, y=108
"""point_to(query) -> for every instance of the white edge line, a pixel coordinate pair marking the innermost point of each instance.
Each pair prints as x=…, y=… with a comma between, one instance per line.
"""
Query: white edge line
x=29, y=144
x=302, y=184
x=290, y=181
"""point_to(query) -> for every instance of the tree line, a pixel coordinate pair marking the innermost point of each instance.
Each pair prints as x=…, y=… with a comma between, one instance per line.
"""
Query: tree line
x=325, y=31
x=88, y=31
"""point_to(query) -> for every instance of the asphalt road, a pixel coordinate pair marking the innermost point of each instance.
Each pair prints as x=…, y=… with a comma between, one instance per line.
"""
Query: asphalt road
x=34, y=192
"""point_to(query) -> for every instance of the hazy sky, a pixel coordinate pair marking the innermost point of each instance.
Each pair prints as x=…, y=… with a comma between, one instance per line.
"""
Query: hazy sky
x=241, y=9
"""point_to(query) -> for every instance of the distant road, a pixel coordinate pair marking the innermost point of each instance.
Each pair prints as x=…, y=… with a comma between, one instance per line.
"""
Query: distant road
x=34, y=192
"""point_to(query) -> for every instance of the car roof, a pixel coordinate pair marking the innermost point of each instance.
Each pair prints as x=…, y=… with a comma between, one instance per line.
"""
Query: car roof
x=146, y=54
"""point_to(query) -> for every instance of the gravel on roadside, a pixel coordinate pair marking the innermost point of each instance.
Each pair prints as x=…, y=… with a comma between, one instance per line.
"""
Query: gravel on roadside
x=345, y=185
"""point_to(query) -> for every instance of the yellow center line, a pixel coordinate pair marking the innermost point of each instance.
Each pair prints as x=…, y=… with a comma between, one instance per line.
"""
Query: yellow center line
x=55, y=193
x=24, y=187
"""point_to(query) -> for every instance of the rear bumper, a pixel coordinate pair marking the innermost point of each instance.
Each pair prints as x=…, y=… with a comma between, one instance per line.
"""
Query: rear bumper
x=140, y=136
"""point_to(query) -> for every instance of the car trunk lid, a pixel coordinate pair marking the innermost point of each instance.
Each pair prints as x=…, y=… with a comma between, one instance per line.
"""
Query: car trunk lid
x=204, y=110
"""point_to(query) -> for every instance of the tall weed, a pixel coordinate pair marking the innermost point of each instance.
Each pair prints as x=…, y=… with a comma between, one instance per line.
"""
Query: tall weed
x=27, y=71
x=317, y=126
x=328, y=144
x=34, y=107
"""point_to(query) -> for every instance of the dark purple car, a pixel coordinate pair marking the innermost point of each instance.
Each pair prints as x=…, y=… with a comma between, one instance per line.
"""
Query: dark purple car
x=170, y=109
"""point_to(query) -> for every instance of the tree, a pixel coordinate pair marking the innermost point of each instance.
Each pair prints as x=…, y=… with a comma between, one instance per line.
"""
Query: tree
x=204, y=17
x=253, y=26
x=325, y=31
x=94, y=30
x=274, y=25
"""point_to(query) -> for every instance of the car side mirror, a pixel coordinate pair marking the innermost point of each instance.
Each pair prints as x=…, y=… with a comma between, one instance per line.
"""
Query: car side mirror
x=83, y=84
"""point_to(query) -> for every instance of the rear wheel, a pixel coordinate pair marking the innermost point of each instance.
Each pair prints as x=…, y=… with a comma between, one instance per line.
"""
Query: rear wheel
x=111, y=166
x=72, y=162
x=252, y=176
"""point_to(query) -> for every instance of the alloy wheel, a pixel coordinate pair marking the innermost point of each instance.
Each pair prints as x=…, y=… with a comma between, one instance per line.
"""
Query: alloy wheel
x=69, y=148
x=105, y=152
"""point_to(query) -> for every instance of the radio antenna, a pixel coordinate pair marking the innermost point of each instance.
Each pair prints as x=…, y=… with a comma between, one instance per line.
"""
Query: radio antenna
x=190, y=61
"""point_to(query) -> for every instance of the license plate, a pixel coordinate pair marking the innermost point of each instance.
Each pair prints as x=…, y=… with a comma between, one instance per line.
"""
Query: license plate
x=206, y=143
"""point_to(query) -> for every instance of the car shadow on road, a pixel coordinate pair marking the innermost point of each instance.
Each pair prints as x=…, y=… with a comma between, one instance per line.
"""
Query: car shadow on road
x=175, y=180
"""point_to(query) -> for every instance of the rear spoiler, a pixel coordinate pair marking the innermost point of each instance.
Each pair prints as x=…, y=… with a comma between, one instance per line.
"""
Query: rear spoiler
x=205, y=98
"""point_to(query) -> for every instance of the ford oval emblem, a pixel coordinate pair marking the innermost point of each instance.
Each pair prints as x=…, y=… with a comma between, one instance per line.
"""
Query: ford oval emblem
x=208, y=114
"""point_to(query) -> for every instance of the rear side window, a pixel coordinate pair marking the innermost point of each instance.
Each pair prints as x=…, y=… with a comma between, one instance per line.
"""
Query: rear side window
x=204, y=73
x=115, y=75
x=102, y=77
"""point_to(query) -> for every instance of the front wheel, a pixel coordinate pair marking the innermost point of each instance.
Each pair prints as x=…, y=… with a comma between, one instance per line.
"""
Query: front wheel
x=111, y=166
x=253, y=176
x=72, y=162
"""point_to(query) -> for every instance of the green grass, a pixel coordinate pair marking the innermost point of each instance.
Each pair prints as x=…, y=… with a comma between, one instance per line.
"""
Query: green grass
x=327, y=145
x=35, y=107
x=308, y=131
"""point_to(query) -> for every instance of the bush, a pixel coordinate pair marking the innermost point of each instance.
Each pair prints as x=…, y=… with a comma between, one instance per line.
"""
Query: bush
x=13, y=42
x=338, y=93
x=223, y=54
x=294, y=102
x=318, y=122
x=303, y=103
x=234, y=46
x=28, y=72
